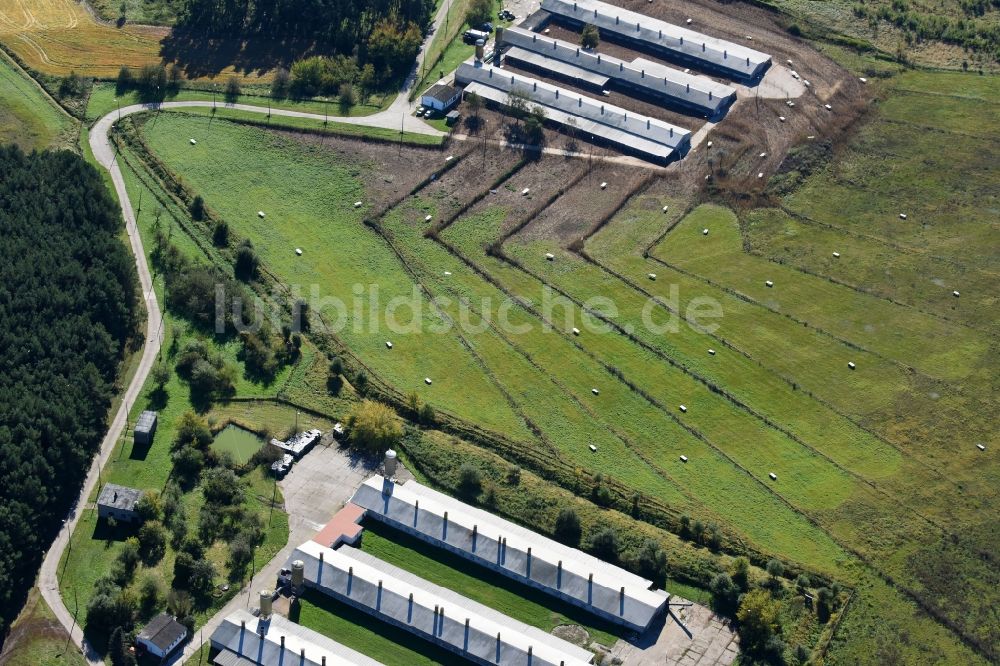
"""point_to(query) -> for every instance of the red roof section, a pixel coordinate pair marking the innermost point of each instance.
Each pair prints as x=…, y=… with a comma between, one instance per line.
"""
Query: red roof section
x=343, y=527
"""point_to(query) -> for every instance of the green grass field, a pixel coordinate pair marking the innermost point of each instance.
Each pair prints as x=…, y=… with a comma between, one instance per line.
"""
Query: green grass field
x=358, y=631
x=879, y=483
x=28, y=117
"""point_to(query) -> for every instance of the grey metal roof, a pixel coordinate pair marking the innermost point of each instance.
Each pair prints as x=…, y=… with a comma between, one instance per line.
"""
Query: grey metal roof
x=431, y=612
x=697, y=91
x=441, y=92
x=734, y=59
x=146, y=421
x=591, y=116
x=163, y=631
x=556, y=66
x=119, y=497
x=258, y=641
x=513, y=550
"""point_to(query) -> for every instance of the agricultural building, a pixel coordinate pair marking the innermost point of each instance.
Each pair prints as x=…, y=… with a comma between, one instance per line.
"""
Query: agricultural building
x=118, y=502
x=435, y=614
x=664, y=39
x=161, y=635
x=641, y=77
x=145, y=428
x=641, y=135
x=605, y=590
x=245, y=640
x=440, y=97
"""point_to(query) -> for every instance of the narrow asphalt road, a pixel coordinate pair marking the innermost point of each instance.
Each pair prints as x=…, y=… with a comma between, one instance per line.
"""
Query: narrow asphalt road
x=48, y=578
x=397, y=115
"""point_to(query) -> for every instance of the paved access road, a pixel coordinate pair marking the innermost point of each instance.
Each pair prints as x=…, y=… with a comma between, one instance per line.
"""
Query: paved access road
x=48, y=581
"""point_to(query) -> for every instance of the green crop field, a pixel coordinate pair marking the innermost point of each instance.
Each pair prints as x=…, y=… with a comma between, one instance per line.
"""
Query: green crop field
x=28, y=117
x=878, y=482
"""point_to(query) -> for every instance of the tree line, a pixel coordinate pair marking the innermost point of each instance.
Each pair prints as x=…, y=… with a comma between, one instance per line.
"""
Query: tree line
x=384, y=33
x=68, y=294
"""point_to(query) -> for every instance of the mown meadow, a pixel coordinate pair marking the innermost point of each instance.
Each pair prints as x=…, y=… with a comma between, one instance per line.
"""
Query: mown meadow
x=878, y=480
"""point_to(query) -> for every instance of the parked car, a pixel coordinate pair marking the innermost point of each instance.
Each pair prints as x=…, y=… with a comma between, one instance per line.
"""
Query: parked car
x=506, y=15
x=472, y=36
x=486, y=27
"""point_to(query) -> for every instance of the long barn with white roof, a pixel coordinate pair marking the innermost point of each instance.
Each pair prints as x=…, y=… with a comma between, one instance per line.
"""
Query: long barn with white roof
x=672, y=41
x=647, y=137
x=696, y=93
x=433, y=613
x=245, y=640
x=608, y=591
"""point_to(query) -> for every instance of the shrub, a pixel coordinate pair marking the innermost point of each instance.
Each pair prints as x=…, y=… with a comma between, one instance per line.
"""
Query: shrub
x=220, y=235
x=480, y=11
x=197, y=208
x=152, y=542
x=758, y=617
x=651, y=562
x=148, y=507
x=725, y=593
x=568, y=529
x=590, y=37
x=281, y=84
x=233, y=89
x=373, y=426
x=470, y=480
x=247, y=262
x=604, y=544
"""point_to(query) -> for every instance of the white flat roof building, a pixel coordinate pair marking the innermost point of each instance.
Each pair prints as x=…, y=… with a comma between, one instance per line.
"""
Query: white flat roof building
x=694, y=92
x=633, y=132
x=733, y=60
x=276, y=640
x=604, y=589
x=433, y=613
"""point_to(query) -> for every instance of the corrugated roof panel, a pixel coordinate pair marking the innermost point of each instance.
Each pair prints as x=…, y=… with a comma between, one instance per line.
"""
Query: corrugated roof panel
x=734, y=59
x=429, y=611
x=687, y=89
x=513, y=550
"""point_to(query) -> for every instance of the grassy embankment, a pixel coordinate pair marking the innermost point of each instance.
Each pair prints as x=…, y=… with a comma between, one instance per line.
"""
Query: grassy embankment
x=28, y=117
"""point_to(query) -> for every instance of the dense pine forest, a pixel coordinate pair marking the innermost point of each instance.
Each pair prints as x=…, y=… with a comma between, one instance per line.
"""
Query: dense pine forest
x=68, y=307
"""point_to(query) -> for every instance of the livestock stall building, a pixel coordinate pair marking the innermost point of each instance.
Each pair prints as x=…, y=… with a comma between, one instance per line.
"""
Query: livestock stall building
x=245, y=640
x=435, y=614
x=649, y=138
x=641, y=77
x=605, y=590
x=670, y=41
